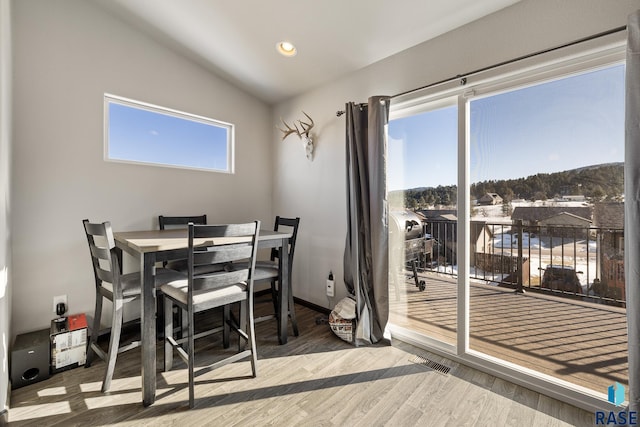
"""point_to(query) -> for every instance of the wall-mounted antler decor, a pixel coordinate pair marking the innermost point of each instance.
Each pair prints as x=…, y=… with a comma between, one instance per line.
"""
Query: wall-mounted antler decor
x=307, y=142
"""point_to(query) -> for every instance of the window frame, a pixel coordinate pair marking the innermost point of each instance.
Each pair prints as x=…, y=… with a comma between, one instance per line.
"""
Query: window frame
x=145, y=106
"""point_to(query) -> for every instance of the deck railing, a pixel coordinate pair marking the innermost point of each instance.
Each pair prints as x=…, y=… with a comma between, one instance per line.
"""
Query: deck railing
x=574, y=262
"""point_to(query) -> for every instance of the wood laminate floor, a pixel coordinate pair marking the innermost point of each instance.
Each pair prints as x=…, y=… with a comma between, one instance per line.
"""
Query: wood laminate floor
x=316, y=379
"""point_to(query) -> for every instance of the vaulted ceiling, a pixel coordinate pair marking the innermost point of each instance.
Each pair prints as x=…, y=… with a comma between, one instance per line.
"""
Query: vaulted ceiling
x=237, y=39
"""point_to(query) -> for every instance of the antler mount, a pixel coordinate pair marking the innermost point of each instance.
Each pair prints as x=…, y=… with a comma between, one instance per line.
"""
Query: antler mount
x=306, y=128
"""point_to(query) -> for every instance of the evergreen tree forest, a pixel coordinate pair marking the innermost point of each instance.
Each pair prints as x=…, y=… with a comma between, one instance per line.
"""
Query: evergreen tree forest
x=596, y=183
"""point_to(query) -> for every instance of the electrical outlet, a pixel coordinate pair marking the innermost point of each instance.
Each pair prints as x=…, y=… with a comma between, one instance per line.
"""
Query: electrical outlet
x=330, y=288
x=59, y=299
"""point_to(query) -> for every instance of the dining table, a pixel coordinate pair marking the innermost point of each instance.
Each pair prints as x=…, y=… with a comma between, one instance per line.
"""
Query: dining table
x=152, y=246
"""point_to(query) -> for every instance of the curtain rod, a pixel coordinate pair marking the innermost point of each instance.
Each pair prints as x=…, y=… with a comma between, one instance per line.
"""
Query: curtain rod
x=463, y=77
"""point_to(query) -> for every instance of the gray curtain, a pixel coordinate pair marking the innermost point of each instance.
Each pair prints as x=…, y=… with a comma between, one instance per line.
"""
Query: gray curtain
x=632, y=206
x=366, y=262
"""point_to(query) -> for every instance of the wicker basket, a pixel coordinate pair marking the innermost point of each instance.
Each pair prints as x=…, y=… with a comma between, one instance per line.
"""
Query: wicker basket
x=343, y=328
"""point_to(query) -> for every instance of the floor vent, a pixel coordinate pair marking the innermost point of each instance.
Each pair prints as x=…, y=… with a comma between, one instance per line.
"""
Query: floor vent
x=438, y=367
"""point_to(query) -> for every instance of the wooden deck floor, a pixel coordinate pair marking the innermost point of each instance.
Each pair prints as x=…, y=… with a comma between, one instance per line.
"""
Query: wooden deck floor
x=580, y=342
x=316, y=379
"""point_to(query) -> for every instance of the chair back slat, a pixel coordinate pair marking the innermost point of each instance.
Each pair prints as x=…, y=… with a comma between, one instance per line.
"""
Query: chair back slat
x=104, y=275
x=220, y=279
x=224, y=230
x=223, y=254
x=180, y=221
x=99, y=252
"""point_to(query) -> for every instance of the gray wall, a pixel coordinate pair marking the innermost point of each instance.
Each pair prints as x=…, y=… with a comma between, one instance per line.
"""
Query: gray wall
x=67, y=54
x=316, y=190
x=5, y=242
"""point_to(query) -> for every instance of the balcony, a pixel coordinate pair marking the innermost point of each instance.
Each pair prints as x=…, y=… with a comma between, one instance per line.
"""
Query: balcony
x=575, y=333
x=583, y=343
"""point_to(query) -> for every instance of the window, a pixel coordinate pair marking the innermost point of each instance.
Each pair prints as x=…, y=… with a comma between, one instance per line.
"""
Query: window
x=137, y=132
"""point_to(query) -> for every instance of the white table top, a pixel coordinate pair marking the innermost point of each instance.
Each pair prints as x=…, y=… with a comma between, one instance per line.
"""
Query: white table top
x=165, y=240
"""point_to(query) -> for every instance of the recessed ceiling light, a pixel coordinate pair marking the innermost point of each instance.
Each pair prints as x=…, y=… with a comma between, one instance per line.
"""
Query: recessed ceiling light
x=286, y=49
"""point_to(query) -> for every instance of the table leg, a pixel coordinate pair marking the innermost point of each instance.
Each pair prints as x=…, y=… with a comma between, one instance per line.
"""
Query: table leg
x=283, y=299
x=148, y=329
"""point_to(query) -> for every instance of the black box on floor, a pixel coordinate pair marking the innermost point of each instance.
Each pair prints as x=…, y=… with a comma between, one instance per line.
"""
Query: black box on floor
x=30, y=358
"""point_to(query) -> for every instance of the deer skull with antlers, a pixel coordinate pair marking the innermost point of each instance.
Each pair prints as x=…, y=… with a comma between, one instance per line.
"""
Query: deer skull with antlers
x=304, y=131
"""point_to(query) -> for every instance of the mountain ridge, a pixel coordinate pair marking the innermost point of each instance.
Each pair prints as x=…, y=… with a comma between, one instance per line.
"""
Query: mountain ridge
x=596, y=182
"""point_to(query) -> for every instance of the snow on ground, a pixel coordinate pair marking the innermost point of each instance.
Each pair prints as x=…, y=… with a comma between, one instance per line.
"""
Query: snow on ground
x=507, y=240
x=542, y=255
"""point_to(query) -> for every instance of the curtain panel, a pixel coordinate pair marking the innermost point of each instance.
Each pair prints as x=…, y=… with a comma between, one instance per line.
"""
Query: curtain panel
x=366, y=264
x=632, y=206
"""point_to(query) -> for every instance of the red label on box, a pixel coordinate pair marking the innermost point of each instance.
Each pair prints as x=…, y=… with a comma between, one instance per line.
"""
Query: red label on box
x=77, y=321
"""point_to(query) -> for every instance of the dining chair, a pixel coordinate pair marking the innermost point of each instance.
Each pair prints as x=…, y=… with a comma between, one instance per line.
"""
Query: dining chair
x=218, y=246
x=269, y=270
x=119, y=288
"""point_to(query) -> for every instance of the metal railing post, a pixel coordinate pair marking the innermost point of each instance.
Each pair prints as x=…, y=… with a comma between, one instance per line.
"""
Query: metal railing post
x=519, y=269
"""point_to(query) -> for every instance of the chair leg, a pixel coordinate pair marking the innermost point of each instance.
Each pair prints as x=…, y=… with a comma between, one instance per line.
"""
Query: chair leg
x=274, y=297
x=168, y=332
x=226, y=330
x=160, y=313
x=183, y=324
x=251, y=332
x=292, y=313
x=177, y=320
x=95, y=332
x=242, y=317
x=190, y=352
x=114, y=343
x=291, y=307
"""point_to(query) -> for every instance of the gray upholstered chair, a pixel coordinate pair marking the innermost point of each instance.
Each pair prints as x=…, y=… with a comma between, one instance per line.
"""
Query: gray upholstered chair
x=119, y=288
x=219, y=284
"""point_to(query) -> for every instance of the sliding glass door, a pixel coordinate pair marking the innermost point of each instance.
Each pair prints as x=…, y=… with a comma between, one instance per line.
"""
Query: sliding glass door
x=507, y=221
x=547, y=183
x=422, y=184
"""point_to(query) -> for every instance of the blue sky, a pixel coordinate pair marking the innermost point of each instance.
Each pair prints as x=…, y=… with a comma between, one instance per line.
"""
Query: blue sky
x=551, y=127
x=140, y=135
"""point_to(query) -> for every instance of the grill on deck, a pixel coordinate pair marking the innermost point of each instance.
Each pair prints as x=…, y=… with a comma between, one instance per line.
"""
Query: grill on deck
x=407, y=227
